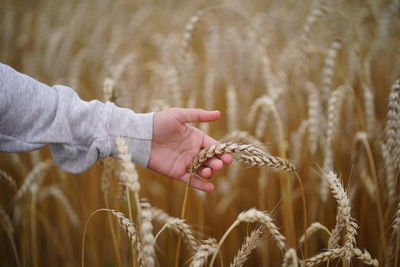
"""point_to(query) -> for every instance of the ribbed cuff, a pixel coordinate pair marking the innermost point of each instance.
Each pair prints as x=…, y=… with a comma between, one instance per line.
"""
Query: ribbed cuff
x=136, y=128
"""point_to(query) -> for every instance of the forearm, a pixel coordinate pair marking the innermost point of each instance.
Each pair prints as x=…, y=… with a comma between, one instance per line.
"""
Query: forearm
x=33, y=115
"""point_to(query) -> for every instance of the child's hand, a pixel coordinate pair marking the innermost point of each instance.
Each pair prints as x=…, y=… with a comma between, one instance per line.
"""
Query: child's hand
x=176, y=143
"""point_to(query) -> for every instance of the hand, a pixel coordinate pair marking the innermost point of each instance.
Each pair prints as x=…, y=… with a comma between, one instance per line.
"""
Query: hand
x=176, y=143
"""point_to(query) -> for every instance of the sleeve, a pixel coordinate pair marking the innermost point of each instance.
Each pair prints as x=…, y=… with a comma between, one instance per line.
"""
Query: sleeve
x=33, y=115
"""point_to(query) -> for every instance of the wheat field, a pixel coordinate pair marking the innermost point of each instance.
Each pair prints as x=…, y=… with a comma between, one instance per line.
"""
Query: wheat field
x=309, y=93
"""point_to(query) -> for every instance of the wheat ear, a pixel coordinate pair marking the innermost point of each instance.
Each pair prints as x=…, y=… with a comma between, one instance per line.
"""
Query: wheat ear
x=254, y=216
x=108, y=89
x=339, y=253
x=238, y=136
x=146, y=234
x=311, y=20
x=290, y=259
x=329, y=66
x=127, y=225
x=177, y=225
x=314, y=227
x=207, y=248
x=248, y=154
x=393, y=121
x=250, y=243
x=128, y=176
x=7, y=179
x=266, y=105
x=344, y=219
x=35, y=176
x=190, y=28
x=106, y=175
x=334, y=109
x=314, y=116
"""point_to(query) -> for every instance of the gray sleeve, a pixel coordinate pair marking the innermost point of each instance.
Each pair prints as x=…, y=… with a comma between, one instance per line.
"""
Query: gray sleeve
x=33, y=115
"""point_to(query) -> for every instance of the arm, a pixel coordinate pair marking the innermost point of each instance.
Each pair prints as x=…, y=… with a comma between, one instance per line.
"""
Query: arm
x=33, y=115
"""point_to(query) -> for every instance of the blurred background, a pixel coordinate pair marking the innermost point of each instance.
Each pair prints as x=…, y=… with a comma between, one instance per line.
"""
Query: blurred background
x=271, y=67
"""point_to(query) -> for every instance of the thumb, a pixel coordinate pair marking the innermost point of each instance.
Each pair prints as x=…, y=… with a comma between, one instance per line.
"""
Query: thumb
x=197, y=115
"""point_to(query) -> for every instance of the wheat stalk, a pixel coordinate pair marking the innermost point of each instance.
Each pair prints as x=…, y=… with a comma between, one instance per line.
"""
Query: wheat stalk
x=6, y=223
x=250, y=243
x=190, y=28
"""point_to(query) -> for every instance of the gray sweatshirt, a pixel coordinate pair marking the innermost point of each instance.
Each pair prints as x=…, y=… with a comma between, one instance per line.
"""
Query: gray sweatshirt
x=33, y=115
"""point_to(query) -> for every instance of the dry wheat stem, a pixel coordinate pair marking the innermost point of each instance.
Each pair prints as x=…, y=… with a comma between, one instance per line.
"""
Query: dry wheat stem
x=8, y=227
x=250, y=243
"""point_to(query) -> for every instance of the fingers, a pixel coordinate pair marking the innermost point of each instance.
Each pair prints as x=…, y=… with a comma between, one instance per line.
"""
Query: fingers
x=197, y=183
x=197, y=115
x=205, y=172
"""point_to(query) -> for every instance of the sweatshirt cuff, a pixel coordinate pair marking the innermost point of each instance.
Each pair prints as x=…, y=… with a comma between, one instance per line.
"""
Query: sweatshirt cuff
x=135, y=128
